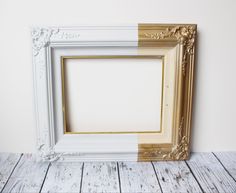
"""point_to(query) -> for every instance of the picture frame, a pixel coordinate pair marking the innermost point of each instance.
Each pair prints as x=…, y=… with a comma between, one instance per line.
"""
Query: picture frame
x=173, y=44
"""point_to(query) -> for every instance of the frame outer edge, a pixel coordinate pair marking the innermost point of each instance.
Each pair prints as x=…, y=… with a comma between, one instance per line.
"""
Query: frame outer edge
x=41, y=39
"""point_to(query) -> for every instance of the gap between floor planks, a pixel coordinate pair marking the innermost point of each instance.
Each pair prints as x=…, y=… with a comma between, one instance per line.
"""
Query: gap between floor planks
x=204, y=172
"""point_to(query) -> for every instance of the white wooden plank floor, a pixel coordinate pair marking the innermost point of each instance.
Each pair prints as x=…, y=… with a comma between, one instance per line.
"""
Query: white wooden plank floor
x=204, y=172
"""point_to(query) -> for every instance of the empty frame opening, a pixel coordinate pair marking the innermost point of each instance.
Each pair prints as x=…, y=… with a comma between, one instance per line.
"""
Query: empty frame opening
x=112, y=94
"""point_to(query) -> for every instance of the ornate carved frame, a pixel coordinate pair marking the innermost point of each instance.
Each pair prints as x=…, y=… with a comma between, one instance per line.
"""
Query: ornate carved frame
x=178, y=37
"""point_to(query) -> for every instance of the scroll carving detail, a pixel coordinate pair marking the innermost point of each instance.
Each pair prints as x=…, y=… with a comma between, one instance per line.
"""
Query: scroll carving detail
x=41, y=38
x=184, y=34
x=48, y=154
x=179, y=152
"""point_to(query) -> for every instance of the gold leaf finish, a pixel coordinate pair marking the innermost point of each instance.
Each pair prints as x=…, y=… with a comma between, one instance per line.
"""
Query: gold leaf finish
x=182, y=38
x=180, y=152
x=185, y=35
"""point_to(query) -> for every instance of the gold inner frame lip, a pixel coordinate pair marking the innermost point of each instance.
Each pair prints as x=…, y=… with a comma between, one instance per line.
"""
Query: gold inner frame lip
x=64, y=109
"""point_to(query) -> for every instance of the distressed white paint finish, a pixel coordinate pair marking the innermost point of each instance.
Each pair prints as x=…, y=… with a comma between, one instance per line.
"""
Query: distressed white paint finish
x=95, y=33
x=63, y=177
x=109, y=147
x=228, y=159
x=176, y=177
x=100, y=177
x=210, y=173
x=138, y=177
x=28, y=175
x=57, y=85
x=45, y=41
x=7, y=163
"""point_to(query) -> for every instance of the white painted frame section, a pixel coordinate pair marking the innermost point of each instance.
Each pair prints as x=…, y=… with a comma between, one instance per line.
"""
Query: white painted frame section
x=48, y=45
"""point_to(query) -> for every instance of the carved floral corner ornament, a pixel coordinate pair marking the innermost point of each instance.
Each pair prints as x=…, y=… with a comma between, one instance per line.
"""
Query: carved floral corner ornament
x=178, y=152
x=41, y=38
x=49, y=154
x=185, y=35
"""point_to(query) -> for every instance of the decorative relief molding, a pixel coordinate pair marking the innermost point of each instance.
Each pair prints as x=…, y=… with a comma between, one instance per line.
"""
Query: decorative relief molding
x=180, y=152
x=41, y=38
x=181, y=33
x=48, y=154
x=185, y=35
x=67, y=35
x=152, y=153
x=181, y=125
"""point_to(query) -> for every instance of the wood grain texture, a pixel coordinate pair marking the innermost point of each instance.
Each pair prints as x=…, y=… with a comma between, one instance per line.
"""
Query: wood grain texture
x=211, y=174
x=100, y=177
x=28, y=175
x=7, y=164
x=176, y=177
x=138, y=177
x=63, y=177
x=228, y=159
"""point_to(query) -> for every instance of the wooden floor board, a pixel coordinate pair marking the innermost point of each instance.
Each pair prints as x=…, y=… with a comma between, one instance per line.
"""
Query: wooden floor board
x=27, y=176
x=175, y=176
x=211, y=174
x=204, y=172
x=8, y=162
x=100, y=177
x=138, y=177
x=63, y=177
x=228, y=159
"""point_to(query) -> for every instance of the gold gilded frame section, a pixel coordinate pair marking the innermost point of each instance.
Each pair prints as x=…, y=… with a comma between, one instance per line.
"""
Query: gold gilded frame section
x=64, y=105
x=182, y=37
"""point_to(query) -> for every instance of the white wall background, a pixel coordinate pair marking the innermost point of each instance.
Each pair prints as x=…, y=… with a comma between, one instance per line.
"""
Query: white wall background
x=214, y=116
